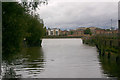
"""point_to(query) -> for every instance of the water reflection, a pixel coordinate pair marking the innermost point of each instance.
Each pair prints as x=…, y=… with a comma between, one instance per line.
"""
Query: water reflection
x=62, y=58
x=29, y=61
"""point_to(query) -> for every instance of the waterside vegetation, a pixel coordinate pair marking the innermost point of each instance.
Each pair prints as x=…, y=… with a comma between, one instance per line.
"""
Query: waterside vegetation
x=109, y=52
x=20, y=27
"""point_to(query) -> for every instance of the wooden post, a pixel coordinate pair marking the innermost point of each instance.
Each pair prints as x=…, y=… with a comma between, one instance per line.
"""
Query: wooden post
x=100, y=52
x=111, y=43
x=103, y=53
x=109, y=55
x=117, y=59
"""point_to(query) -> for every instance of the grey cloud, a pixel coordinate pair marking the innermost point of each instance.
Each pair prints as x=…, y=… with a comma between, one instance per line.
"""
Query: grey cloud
x=78, y=14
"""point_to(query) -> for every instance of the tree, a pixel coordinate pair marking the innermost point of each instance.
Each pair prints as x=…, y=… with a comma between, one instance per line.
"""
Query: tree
x=18, y=24
x=13, y=26
x=31, y=5
x=71, y=32
x=87, y=31
x=35, y=31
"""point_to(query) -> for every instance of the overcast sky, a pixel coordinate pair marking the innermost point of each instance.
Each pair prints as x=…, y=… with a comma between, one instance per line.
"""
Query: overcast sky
x=71, y=14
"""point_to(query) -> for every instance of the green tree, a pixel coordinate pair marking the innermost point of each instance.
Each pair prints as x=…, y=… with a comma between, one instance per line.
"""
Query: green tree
x=13, y=26
x=45, y=31
x=87, y=31
x=18, y=24
x=71, y=32
x=35, y=32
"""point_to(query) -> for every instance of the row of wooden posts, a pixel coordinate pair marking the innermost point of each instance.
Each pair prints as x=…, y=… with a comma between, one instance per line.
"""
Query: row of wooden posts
x=103, y=52
x=102, y=43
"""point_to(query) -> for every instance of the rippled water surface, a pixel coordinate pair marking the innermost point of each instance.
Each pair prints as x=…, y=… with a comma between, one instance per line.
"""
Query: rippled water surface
x=57, y=58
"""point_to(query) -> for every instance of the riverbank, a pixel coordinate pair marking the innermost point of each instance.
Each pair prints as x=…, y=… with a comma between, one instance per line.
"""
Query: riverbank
x=108, y=49
x=46, y=37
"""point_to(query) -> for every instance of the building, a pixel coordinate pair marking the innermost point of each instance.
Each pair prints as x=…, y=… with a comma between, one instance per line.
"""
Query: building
x=103, y=31
x=64, y=33
x=81, y=29
x=92, y=28
x=53, y=32
x=76, y=33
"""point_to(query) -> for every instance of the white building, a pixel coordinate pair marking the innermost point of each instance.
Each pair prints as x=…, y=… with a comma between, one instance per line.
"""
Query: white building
x=53, y=32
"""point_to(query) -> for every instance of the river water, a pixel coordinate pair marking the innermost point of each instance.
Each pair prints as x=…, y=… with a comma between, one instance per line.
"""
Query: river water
x=57, y=58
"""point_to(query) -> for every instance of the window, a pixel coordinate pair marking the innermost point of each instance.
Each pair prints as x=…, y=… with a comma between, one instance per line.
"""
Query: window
x=56, y=32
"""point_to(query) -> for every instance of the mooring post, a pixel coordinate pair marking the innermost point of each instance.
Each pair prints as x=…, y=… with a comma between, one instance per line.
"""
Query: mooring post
x=109, y=55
